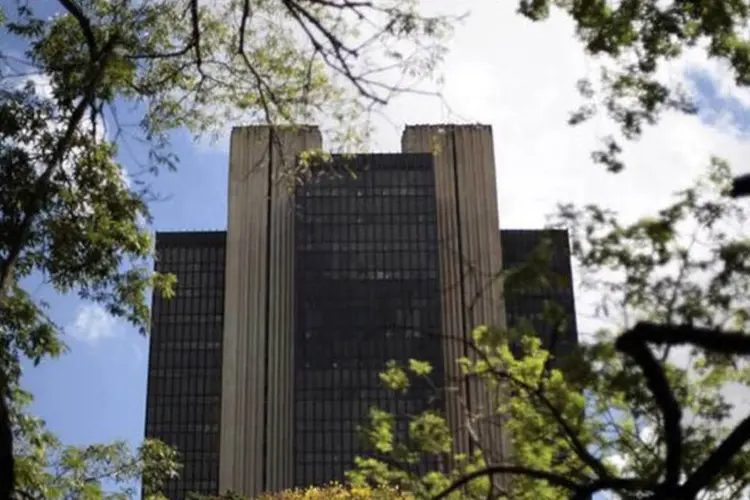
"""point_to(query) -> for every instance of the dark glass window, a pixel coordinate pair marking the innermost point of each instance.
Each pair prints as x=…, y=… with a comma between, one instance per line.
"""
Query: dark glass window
x=184, y=377
x=528, y=304
x=367, y=279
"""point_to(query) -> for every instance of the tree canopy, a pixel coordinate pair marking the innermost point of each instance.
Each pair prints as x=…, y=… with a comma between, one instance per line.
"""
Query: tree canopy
x=642, y=409
x=74, y=215
x=635, y=40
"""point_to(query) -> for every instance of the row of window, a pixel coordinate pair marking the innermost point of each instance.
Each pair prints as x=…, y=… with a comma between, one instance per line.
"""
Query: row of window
x=374, y=275
x=416, y=294
x=186, y=343
x=386, y=294
x=345, y=358
x=364, y=323
x=166, y=409
x=184, y=333
x=342, y=341
x=167, y=359
x=163, y=355
x=201, y=324
x=340, y=383
x=207, y=282
x=318, y=359
x=396, y=171
x=312, y=191
x=186, y=317
x=191, y=446
x=194, y=386
x=183, y=289
x=191, y=257
x=325, y=462
x=382, y=261
x=329, y=411
x=379, y=246
x=357, y=219
x=193, y=428
x=169, y=408
x=425, y=234
x=183, y=372
x=360, y=210
x=190, y=301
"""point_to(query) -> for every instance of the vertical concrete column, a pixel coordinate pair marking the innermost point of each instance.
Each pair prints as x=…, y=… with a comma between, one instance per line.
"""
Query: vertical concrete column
x=287, y=144
x=470, y=257
x=257, y=393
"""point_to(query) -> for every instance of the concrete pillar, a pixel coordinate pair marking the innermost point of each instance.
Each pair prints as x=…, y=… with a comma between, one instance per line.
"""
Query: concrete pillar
x=470, y=258
x=257, y=379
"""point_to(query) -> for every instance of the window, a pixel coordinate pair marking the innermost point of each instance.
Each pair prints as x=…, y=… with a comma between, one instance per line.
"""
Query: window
x=184, y=381
x=363, y=290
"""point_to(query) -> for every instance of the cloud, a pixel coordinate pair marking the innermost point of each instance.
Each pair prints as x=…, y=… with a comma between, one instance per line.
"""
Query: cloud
x=92, y=323
x=520, y=76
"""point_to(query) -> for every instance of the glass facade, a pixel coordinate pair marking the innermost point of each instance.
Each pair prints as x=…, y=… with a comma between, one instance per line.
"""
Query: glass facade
x=367, y=291
x=528, y=304
x=184, y=376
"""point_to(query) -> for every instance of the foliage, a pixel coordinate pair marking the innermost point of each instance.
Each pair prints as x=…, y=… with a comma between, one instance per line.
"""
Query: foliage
x=597, y=420
x=635, y=40
x=333, y=491
x=46, y=468
x=75, y=218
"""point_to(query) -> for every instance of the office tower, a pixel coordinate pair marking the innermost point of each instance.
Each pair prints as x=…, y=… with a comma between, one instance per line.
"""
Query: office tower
x=184, y=376
x=328, y=280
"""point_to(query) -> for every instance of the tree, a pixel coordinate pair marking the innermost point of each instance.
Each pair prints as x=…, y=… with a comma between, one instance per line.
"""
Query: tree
x=641, y=410
x=331, y=491
x=46, y=468
x=634, y=40
x=71, y=213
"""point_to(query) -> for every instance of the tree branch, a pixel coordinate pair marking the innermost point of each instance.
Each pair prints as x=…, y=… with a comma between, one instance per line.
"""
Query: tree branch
x=509, y=469
x=74, y=10
x=664, y=399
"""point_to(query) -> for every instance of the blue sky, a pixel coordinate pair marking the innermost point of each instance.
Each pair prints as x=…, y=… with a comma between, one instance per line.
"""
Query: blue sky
x=97, y=391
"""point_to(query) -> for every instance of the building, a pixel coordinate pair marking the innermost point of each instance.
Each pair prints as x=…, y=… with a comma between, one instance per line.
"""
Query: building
x=529, y=303
x=376, y=257
x=183, y=402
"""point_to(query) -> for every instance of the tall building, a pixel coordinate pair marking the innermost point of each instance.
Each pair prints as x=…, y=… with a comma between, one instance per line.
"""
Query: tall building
x=375, y=257
x=183, y=401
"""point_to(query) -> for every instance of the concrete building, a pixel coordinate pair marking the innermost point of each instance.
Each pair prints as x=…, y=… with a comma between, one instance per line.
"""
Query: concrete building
x=374, y=257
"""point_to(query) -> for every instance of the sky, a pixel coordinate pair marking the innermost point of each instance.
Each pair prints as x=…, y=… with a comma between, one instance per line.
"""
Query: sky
x=503, y=71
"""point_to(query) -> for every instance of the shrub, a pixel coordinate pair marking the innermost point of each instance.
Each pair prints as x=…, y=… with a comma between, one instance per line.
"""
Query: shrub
x=335, y=491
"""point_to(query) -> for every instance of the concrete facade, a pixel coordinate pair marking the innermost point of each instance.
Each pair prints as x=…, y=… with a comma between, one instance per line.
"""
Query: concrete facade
x=256, y=419
x=222, y=364
x=471, y=259
x=256, y=438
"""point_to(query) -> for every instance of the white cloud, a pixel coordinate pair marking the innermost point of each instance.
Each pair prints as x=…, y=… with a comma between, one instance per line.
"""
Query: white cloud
x=92, y=323
x=519, y=77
